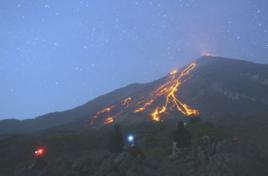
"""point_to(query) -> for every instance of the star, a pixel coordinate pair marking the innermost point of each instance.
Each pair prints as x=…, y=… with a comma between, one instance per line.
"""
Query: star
x=57, y=83
x=55, y=44
x=12, y=90
x=46, y=6
x=78, y=69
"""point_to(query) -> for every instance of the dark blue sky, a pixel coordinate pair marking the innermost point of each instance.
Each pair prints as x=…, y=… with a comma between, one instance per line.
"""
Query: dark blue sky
x=56, y=54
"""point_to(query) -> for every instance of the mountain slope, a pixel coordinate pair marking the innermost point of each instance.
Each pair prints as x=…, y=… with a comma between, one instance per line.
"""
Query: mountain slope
x=210, y=87
x=60, y=118
x=229, y=87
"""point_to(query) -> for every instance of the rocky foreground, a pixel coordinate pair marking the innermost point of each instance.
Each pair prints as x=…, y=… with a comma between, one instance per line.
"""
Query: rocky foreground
x=85, y=154
x=225, y=158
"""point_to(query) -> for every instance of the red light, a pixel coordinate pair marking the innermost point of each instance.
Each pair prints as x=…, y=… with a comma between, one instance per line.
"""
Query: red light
x=39, y=152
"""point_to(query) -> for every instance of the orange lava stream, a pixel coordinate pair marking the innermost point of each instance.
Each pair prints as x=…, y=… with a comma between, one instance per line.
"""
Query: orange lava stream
x=144, y=106
x=107, y=111
x=108, y=120
x=168, y=90
x=126, y=101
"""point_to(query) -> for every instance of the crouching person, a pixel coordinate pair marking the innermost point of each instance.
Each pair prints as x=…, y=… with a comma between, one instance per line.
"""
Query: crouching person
x=182, y=140
x=135, y=157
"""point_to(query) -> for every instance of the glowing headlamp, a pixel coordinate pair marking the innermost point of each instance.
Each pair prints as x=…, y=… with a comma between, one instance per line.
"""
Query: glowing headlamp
x=39, y=152
x=130, y=138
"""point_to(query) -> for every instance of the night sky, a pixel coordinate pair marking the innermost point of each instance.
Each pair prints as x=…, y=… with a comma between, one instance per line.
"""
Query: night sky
x=56, y=54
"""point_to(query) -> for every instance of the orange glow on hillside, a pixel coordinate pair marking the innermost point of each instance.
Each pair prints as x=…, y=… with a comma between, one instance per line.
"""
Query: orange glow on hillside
x=169, y=90
x=173, y=72
x=206, y=53
x=108, y=120
x=126, y=101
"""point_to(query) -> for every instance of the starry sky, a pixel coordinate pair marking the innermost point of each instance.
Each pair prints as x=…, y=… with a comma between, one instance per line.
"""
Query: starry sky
x=58, y=54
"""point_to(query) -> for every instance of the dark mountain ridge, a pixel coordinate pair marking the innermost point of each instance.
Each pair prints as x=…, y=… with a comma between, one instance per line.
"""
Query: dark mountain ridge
x=216, y=87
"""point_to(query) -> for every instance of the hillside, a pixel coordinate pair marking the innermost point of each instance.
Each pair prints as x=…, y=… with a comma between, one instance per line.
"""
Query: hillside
x=210, y=88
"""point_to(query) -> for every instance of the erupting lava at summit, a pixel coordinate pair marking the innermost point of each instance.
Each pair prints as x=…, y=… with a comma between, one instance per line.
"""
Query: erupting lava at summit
x=168, y=90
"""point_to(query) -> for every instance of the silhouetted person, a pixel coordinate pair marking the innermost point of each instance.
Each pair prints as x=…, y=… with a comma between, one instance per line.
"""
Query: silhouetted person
x=116, y=142
x=38, y=166
x=116, y=147
x=134, y=149
x=135, y=156
x=182, y=139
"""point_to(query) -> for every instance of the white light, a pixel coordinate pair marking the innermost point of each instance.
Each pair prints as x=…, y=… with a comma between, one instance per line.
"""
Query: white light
x=130, y=138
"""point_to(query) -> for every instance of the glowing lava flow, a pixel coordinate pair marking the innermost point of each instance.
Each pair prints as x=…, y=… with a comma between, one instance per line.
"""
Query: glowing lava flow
x=108, y=120
x=127, y=101
x=103, y=111
x=168, y=90
x=108, y=110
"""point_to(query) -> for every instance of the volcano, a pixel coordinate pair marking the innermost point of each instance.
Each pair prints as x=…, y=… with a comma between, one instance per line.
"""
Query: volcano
x=211, y=88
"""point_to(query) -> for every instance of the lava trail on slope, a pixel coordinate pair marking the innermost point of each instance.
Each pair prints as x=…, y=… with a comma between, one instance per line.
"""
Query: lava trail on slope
x=169, y=90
